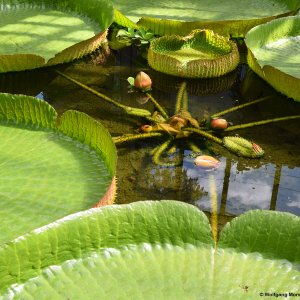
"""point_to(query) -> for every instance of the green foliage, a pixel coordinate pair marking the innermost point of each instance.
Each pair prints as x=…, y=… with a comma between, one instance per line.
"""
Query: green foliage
x=242, y=147
x=49, y=172
x=34, y=33
x=160, y=250
x=276, y=235
x=201, y=54
x=274, y=54
x=125, y=37
x=229, y=18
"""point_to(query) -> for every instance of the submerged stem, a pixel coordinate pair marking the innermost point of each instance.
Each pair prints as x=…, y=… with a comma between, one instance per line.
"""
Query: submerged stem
x=263, y=122
x=226, y=111
x=129, y=110
x=205, y=134
x=133, y=137
x=182, y=99
x=193, y=147
x=158, y=151
x=158, y=106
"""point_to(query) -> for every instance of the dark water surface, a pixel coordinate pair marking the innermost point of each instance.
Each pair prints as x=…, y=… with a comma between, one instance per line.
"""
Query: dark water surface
x=272, y=182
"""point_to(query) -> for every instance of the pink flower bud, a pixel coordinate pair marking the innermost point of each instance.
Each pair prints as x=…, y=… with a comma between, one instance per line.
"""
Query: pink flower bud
x=206, y=162
x=256, y=148
x=142, y=81
x=218, y=123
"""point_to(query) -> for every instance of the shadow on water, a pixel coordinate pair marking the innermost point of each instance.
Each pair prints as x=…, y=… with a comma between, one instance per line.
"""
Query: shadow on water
x=272, y=182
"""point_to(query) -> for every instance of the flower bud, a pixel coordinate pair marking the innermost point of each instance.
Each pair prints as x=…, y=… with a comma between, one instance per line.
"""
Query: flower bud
x=206, y=162
x=142, y=81
x=256, y=148
x=145, y=128
x=243, y=147
x=218, y=124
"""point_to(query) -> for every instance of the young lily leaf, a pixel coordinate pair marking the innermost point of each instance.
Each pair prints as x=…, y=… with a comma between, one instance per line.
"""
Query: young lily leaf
x=34, y=33
x=150, y=250
x=201, y=54
x=48, y=172
x=228, y=17
x=274, y=54
x=130, y=81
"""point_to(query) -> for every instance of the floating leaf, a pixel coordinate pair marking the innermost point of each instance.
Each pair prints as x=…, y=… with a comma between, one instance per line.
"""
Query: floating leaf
x=201, y=54
x=228, y=17
x=148, y=250
x=34, y=33
x=48, y=172
x=274, y=54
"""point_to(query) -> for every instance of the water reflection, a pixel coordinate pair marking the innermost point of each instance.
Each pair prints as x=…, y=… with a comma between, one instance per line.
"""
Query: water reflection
x=242, y=184
x=288, y=198
x=266, y=187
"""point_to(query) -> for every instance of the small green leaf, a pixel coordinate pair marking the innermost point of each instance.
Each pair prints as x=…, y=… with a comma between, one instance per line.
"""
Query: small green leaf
x=131, y=31
x=149, y=35
x=122, y=32
x=131, y=81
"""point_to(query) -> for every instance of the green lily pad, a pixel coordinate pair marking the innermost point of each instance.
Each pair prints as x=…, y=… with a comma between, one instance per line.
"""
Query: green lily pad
x=201, y=54
x=228, y=17
x=153, y=250
x=49, y=171
x=274, y=54
x=34, y=33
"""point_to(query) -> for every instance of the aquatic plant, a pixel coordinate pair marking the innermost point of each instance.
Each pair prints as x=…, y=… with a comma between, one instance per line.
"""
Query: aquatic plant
x=274, y=54
x=162, y=250
x=201, y=54
x=50, y=167
x=229, y=18
x=138, y=36
x=182, y=126
x=37, y=33
x=142, y=82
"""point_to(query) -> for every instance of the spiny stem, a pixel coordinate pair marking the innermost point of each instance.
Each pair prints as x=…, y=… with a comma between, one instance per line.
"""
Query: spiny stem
x=205, y=134
x=263, y=122
x=181, y=102
x=151, y=119
x=129, y=110
x=194, y=147
x=226, y=111
x=158, y=151
x=184, y=104
x=158, y=106
x=132, y=137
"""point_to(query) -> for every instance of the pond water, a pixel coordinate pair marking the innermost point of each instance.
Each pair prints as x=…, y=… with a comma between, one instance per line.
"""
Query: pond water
x=272, y=182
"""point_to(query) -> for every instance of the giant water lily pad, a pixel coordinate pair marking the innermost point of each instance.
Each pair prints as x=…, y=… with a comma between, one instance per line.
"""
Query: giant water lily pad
x=153, y=250
x=201, y=54
x=37, y=33
x=274, y=54
x=228, y=17
x=49, y=171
